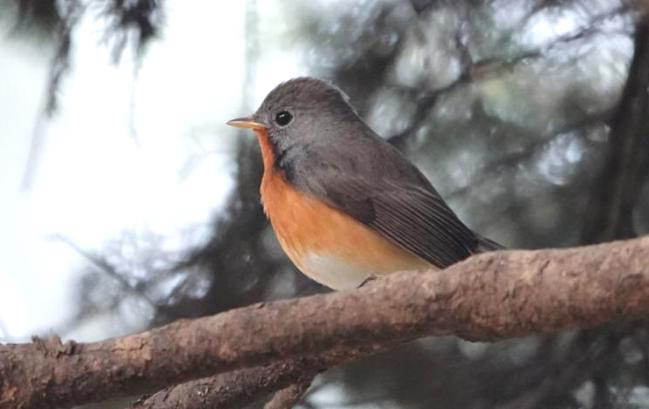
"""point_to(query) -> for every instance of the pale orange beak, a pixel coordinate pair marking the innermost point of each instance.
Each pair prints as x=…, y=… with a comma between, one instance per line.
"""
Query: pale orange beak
x=246, y=122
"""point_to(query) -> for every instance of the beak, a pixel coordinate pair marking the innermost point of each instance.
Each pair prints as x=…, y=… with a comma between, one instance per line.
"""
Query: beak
x=246, y=122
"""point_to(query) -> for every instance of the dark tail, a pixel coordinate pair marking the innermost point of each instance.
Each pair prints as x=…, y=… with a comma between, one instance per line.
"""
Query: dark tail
x=485, y=244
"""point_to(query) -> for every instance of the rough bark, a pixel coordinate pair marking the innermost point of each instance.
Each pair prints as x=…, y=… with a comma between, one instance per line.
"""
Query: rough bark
x=242, y=387
x=487, y=297
x=229, y=390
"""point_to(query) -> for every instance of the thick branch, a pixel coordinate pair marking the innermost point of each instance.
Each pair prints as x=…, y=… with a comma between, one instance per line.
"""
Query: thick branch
x=487, y=297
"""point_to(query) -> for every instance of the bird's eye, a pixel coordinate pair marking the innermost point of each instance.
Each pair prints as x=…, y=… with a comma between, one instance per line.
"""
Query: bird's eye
x=283, y=118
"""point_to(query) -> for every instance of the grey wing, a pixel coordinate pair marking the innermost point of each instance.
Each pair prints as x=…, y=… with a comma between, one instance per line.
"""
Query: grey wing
x=409, y=214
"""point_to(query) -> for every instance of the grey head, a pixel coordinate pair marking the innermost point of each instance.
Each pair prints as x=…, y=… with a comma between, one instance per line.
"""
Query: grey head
x=307, y=111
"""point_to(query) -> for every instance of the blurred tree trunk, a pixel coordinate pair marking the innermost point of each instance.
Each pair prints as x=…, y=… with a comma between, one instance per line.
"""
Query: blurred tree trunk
x=618, y=186
x=613, y=198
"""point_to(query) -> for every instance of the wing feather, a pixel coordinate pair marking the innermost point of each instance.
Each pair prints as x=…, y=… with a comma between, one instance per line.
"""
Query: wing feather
x=415, y=218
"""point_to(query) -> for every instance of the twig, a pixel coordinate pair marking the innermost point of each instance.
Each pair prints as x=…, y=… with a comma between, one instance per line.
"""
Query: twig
x=289, y=396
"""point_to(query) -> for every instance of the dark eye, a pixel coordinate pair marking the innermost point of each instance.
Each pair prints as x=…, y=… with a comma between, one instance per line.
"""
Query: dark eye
x=283, y=118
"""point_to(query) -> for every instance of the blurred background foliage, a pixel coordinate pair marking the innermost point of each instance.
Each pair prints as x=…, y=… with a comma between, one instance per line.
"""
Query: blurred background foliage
x=528, y=116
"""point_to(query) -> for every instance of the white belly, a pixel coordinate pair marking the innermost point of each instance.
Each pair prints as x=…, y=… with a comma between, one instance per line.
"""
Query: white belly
x=333, y=272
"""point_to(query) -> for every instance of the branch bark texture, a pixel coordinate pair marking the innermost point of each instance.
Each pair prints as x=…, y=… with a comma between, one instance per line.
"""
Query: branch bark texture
x=487, y=297
x=244, y=386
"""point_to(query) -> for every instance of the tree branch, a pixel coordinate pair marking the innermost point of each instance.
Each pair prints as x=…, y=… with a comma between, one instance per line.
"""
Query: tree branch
x=242, y=387
x=487, y=297
x=289, y=396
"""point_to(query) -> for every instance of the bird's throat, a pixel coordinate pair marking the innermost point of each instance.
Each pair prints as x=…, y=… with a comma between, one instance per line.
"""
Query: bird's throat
x=268, y=150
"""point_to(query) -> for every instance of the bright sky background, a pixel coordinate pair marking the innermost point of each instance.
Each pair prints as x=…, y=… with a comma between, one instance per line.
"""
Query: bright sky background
x=145, y=154
x=101, y=171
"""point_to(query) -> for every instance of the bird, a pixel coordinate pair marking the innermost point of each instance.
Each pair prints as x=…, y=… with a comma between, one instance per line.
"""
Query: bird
x=346, y=205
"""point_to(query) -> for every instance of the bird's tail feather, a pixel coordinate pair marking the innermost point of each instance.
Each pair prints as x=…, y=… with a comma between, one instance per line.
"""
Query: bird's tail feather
x=485, y=244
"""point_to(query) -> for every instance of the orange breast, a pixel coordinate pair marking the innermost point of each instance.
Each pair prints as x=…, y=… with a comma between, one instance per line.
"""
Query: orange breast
x=324, y=243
